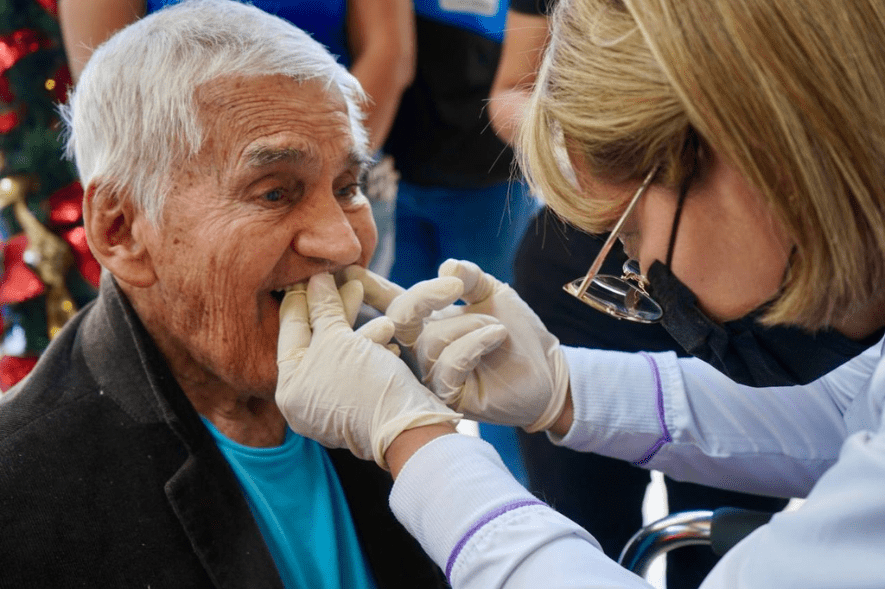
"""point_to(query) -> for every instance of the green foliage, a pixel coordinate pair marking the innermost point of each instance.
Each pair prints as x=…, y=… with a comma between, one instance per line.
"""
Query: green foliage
x=33, y=79
x=33, y=146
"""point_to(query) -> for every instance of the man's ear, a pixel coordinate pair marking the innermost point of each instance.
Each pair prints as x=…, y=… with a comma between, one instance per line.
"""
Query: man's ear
x=117, y=232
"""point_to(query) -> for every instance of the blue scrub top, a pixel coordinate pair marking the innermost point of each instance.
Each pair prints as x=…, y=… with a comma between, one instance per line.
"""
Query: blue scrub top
x=325, y=20
x=483, y=17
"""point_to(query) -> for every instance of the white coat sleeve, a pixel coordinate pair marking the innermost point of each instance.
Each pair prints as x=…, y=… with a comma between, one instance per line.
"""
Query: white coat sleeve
x=685, y=418
x=487, y=532
x=457, y=498
x=833, y=540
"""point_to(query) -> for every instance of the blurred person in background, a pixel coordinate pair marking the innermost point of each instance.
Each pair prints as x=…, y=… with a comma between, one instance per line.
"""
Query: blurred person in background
x=457, y=196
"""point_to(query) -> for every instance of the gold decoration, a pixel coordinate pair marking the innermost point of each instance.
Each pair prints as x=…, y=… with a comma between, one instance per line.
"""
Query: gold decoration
x=49, y=255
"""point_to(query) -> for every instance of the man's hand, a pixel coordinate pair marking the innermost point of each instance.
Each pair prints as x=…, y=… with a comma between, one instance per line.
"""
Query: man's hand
x=492, y=359
x=345, y=388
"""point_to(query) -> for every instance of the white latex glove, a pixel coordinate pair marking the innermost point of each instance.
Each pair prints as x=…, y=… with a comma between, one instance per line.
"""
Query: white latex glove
x=351, y=293
x=345, y=388
x=409, y=309
x=492, y=360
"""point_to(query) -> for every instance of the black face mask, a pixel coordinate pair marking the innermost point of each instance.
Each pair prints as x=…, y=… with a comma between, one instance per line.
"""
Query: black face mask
x=744, y=350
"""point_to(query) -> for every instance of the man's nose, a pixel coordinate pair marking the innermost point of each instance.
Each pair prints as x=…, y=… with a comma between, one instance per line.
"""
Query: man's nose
x=328, y=236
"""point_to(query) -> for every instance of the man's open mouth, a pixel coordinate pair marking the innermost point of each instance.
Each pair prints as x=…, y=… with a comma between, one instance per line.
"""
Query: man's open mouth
x=278, y=295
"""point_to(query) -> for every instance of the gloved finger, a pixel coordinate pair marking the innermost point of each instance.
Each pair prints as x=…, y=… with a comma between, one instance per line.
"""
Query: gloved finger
x=478, y=285
x=351, y=293
x=380, y=330
x=409, y=310
x=442, y=331
x=324, y=305
x=456, y=362
x=378, y=291
x=294, y=323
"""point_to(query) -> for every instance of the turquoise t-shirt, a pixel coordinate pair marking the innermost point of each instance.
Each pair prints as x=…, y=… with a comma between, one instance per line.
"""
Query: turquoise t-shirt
x=298, y=502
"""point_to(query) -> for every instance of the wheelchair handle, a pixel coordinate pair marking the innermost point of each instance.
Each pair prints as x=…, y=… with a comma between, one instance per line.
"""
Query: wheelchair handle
x=720, y=529
x=730, y=525
x=686, y=528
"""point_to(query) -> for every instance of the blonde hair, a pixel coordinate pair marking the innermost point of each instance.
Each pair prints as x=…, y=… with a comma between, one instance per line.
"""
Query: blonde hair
x=791, y=91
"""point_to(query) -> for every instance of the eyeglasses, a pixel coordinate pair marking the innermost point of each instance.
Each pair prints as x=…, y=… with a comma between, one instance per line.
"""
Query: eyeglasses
x=624, y=297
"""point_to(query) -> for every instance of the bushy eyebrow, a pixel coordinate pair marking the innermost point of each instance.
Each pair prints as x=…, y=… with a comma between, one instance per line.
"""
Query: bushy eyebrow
x=261, y=156
x=360, y=159
x=264, y=156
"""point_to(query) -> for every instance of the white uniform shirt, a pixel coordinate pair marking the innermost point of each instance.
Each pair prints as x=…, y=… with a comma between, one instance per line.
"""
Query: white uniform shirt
x=824, y=441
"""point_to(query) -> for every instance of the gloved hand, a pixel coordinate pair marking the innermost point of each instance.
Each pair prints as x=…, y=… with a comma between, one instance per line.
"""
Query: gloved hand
x=492, y=360
x=345, y=388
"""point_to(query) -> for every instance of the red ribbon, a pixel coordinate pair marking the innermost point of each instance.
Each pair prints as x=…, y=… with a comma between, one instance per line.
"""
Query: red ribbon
x=19, y=282
x=65, y=209
x=13, y=369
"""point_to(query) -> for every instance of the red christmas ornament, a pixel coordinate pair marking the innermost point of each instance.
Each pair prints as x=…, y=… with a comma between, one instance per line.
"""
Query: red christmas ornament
x=8, y=121
x=16, y=45
x=19, y=282
x=6, y=94
x=66, y=205
x=13, y=369
x=51, y=6
x=86, y=263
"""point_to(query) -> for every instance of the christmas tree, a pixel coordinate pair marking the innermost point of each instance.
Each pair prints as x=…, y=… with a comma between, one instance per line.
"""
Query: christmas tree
x=48, y=271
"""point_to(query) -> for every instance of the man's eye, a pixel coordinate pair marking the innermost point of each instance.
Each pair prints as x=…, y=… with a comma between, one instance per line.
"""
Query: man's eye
x=349, y=191
x=273, y=196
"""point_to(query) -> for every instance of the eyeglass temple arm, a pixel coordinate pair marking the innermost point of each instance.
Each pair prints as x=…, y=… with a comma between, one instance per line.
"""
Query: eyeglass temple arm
x=600, y=258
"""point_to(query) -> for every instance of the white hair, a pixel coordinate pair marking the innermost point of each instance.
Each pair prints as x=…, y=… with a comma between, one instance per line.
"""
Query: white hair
x=133, y=115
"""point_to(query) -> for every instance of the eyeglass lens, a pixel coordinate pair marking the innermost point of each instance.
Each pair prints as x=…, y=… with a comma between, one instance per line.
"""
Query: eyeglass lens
x=620, y=297
x=624, y=297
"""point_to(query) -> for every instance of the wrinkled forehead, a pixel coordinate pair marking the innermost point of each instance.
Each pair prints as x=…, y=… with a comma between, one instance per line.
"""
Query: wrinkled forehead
x=220, y=92
x=238, y=113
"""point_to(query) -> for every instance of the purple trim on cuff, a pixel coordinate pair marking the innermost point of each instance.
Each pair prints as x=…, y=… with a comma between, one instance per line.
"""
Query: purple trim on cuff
x=479, y=524
x=665, y=436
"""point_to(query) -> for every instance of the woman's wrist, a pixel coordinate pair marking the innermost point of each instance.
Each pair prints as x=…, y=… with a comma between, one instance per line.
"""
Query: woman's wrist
x=410, y=441
x=563, y=423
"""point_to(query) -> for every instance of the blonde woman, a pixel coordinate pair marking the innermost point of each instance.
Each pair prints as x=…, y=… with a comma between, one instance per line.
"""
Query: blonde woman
x=736, y=148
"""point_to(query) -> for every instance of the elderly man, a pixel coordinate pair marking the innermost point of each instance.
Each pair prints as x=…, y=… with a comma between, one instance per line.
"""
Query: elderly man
x=221, y=151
